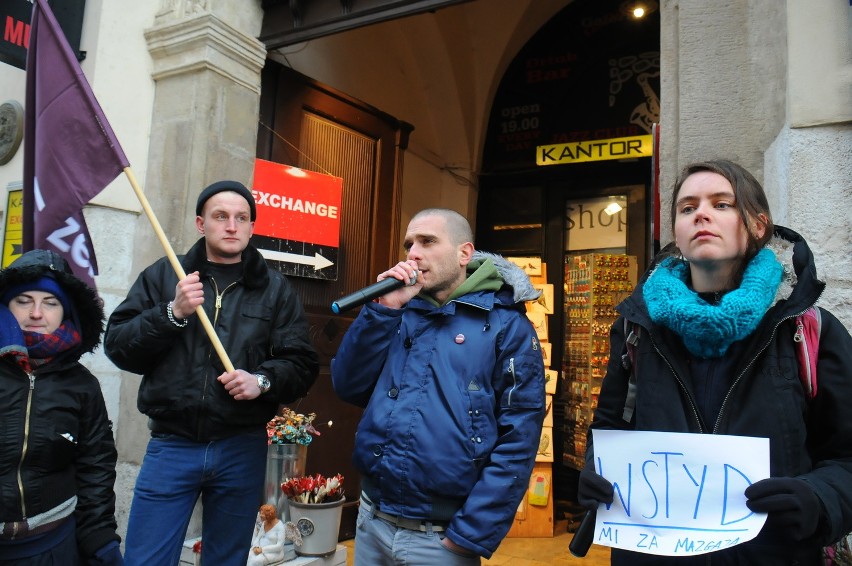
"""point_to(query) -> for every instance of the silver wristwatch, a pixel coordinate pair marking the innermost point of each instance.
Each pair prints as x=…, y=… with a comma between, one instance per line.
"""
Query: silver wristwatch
x=263, y=383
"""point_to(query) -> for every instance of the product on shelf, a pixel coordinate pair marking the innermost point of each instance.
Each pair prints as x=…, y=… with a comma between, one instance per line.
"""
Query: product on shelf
x=594, y=284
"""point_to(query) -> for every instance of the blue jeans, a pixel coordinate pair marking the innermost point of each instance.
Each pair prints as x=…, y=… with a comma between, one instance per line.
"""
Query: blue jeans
x=53, y=548
x=228, y=474
x=379, y=543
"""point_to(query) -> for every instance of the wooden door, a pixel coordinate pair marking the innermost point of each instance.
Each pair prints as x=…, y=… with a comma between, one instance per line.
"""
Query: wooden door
x=314, y=127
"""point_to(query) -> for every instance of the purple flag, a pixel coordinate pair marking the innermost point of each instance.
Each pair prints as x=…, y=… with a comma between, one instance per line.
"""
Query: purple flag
x=70, y=151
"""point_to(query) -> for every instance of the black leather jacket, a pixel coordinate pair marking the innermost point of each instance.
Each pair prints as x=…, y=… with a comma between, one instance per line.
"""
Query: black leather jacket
x=54, y=427
x=260, y=323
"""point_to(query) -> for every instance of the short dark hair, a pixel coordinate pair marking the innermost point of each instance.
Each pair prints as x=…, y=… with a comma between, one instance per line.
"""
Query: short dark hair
x=457, y=225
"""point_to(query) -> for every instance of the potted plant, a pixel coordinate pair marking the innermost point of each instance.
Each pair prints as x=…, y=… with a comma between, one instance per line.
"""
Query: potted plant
x=288, y=434
x=316, y=506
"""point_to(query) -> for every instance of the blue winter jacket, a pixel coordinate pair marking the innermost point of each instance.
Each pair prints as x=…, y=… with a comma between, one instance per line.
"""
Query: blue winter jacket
x=454, y=398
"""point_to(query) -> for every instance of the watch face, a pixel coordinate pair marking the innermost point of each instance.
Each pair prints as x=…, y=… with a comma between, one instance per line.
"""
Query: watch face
x=263, y=383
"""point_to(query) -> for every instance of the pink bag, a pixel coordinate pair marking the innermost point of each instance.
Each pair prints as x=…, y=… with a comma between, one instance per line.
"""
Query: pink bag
x=808, y=328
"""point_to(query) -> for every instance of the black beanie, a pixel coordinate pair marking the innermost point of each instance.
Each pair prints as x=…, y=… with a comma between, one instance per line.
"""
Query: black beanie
x=218, y=187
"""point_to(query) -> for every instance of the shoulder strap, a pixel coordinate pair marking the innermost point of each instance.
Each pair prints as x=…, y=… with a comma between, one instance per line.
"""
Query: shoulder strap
x=808, y=329
x=628, y=361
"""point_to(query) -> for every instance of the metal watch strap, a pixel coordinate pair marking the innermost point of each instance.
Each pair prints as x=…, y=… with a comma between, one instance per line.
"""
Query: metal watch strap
x=180, y=323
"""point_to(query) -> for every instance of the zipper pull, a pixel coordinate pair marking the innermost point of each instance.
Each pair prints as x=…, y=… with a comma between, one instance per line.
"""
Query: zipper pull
x=218, y=302
x=32, y=380
x=799, y=336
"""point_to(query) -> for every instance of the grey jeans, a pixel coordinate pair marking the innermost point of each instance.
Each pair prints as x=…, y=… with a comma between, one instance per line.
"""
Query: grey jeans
x=379, y=543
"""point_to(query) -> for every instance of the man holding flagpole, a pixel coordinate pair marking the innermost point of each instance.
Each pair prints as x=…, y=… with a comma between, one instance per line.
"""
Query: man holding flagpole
x=208, y=424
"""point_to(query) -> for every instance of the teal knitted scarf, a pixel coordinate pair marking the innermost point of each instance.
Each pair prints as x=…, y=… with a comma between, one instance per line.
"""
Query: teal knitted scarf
x=708, y=330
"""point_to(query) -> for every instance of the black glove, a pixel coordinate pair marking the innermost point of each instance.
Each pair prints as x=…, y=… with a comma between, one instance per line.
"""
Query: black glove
x=793, y=507
x=107, y=555
x=593, y=489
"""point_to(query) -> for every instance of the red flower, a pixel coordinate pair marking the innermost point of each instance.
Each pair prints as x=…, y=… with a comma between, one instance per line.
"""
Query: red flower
x=313, y=489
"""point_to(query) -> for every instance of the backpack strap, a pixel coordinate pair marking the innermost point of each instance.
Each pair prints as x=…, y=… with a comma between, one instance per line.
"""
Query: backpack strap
x=808, y=330
x=628, y=361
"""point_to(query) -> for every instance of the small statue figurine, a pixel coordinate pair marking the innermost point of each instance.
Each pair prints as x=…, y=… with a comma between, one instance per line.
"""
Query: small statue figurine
x=267, y=544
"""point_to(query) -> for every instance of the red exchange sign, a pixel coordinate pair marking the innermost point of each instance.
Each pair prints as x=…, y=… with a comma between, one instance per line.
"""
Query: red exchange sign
x=295, y=204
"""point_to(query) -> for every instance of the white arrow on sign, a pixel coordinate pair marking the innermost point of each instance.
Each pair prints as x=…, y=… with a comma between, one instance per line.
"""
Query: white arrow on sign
x=317, y=261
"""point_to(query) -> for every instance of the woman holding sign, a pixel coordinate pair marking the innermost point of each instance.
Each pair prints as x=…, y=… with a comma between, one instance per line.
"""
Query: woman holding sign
x=714, y=328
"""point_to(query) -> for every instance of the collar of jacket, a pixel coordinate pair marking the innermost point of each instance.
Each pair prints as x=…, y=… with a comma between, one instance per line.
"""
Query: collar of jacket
x=255, y=270
x=491, y=274
x=478, y=299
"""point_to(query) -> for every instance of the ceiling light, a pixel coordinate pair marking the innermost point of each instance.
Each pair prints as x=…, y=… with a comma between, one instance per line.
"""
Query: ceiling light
x=638, y=9
x=613, y=208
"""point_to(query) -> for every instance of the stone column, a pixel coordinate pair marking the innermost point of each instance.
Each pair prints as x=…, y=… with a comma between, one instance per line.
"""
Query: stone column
x=723, y=69
x=206, y=65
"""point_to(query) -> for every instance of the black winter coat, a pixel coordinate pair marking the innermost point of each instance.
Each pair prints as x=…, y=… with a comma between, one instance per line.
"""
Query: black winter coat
x=260, y=323
x=811, y=440
x=54, y=427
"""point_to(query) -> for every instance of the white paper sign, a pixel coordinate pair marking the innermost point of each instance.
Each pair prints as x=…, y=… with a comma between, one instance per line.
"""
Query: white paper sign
x=678, y=494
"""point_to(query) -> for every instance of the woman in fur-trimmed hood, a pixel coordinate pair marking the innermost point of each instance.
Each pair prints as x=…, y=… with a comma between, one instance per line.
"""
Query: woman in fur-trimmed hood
x=716, y=317
x=57, y=453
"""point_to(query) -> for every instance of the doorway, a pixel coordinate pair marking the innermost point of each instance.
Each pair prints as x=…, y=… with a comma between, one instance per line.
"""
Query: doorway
x=308, y=125
x=588, y=79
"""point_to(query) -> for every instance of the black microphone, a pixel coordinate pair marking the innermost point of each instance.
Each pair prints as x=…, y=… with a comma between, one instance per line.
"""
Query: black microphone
x=368, y=293
x=584, y=535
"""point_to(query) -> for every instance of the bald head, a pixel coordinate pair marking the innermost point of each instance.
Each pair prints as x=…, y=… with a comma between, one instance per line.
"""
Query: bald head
x=457, y=225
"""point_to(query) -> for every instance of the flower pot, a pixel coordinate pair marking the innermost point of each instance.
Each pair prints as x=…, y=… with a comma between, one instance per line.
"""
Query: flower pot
x=318, y=523
x=282, y=461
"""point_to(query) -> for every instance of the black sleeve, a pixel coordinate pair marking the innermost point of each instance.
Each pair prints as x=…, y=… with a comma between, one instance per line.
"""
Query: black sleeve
x=138, y=331
x=95, y=473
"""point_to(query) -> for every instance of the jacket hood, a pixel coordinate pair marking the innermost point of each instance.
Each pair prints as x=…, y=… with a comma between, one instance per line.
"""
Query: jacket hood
x=799, y=282
x=87, y=306
x=508, y=272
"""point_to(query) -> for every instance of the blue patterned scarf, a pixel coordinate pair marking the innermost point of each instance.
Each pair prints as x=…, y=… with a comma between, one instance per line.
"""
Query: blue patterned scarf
x=709, y=330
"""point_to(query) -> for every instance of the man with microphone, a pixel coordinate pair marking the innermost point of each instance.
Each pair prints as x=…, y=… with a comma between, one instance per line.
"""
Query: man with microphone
x=451, y=376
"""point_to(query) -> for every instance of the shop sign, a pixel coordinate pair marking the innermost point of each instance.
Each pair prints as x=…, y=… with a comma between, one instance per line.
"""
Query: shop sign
x=592, y=72
x=596, y=150
x=298, y=219
x=597, y=223
x=15, y=16
x=13, y=230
